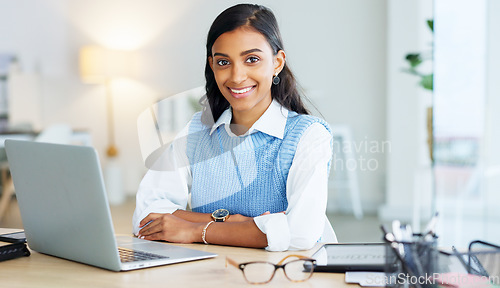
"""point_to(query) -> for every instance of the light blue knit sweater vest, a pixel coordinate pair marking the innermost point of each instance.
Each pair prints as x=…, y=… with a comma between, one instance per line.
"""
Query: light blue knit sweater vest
x=245, y=175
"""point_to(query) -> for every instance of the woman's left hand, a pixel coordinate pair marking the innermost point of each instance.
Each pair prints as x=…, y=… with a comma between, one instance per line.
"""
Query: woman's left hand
x=170, y=228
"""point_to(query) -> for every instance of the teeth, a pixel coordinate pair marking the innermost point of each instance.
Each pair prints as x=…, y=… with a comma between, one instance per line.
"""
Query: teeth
x=241, y=91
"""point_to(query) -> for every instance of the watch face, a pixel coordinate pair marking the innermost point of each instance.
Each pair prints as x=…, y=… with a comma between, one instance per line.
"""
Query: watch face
x=220, y=213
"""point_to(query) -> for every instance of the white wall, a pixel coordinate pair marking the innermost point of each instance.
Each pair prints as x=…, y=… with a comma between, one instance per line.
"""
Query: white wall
x=336, y=48
x=338, y=51
x=492, y=141
x=407, y=165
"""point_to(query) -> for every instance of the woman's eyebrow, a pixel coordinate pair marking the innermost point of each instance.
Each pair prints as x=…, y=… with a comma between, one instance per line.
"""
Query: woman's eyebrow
x=250, y=51
x=241, y=54
x=220, y=54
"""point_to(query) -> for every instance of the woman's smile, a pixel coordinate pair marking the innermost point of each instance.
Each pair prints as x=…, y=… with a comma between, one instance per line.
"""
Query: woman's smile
x=240, y=93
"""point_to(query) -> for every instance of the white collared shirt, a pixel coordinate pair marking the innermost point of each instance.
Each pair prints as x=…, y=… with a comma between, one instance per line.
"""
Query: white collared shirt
x=304, y=221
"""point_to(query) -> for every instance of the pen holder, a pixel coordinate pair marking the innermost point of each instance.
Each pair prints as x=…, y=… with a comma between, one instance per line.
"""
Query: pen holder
x=482, y=260
x=412, y=263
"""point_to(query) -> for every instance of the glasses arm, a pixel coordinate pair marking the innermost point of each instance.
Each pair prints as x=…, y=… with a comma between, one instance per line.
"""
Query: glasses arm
x=293, y=255
x=232, y=262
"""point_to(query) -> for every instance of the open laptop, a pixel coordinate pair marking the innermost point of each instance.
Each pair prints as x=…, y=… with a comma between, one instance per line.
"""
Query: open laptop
x=65, y=212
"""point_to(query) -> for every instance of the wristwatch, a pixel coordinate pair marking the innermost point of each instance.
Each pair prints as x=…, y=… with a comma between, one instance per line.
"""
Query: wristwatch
x=220, y=215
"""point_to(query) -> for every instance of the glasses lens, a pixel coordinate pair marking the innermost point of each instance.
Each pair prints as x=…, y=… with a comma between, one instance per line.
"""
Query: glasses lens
x=299, y=270
x=259, y=272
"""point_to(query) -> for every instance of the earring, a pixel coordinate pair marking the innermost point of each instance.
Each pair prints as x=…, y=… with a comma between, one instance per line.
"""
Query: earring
x=276, y=79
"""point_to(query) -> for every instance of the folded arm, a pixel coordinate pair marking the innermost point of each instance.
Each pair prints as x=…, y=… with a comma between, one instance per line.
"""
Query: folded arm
x=171, y=228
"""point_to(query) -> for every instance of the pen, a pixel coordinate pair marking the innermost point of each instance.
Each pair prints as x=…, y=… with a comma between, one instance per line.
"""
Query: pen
x=431, y=226
x=398, y=236
x=408, y=233
x=396, y=230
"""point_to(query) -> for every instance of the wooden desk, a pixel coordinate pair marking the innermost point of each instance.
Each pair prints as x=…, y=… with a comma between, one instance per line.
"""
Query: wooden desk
x=39, y=270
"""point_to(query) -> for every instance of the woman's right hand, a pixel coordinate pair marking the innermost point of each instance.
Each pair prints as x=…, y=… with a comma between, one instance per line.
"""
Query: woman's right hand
x=167, y=227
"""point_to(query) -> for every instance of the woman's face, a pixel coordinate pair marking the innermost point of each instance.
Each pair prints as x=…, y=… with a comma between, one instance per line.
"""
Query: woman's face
x=244, y=65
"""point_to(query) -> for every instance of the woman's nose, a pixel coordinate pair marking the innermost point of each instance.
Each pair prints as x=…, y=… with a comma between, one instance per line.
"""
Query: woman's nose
x=238, y=73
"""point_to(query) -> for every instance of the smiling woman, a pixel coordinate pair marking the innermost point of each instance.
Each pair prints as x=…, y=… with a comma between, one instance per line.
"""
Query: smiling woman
x=254, y=162
x=244, y=75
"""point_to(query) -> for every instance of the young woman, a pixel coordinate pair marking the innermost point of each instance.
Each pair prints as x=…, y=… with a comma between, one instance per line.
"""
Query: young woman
x=254, y=163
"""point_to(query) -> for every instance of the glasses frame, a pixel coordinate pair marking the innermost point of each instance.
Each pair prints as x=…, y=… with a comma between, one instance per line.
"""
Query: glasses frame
x=280, y=264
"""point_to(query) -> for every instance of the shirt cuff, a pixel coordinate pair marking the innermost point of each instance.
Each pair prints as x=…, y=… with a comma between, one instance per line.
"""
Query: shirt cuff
x=275, y=226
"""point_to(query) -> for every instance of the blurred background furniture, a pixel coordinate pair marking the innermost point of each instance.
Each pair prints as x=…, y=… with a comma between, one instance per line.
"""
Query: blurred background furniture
x=57, y=133
x=345, y=167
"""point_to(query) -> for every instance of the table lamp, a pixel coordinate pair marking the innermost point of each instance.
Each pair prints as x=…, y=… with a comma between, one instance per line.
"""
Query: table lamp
x=99, y=65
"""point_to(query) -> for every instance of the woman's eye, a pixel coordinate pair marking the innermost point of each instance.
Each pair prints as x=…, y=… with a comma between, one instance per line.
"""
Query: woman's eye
x=222, y=62
x=252, y=59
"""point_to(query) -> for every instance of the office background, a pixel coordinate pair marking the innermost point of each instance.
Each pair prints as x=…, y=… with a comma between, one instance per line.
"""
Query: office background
x=347, y=55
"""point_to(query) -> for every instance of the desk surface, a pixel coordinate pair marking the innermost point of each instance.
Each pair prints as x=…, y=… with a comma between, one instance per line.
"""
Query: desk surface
x=39, y=270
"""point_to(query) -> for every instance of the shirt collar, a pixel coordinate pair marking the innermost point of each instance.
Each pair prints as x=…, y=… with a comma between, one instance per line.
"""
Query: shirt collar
x=272, y=122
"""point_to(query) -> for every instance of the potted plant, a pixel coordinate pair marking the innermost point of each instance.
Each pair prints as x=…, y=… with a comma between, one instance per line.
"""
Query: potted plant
x=415, y=61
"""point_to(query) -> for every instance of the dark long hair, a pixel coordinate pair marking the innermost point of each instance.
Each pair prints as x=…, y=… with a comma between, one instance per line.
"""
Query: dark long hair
x=262, y=20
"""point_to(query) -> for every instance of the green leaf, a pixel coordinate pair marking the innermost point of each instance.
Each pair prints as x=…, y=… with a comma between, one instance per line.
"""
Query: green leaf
x=430, y=23
x=414, y=59
x=427, y=81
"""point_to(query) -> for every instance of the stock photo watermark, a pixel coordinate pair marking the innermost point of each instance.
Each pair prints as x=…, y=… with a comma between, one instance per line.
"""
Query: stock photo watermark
x=449, y=279
x=358, y=155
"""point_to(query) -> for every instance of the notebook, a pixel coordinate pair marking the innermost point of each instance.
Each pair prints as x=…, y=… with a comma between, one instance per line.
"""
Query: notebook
x=350, y=257
x=65, y=212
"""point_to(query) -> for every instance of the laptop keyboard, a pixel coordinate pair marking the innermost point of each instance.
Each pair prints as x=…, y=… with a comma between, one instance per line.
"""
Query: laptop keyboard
x=129, y=255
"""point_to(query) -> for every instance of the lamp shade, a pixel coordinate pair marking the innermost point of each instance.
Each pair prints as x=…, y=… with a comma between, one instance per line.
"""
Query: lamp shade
x=99, y=64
